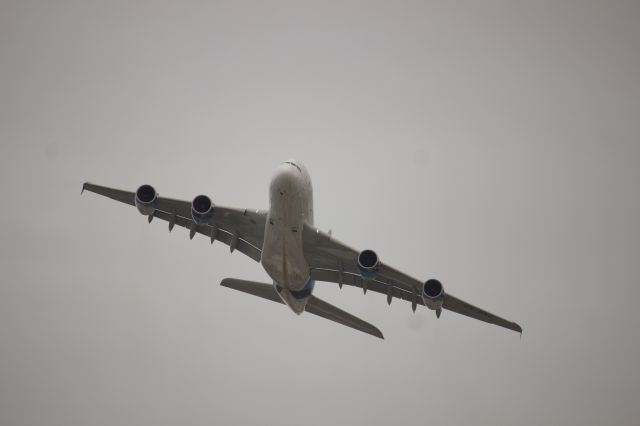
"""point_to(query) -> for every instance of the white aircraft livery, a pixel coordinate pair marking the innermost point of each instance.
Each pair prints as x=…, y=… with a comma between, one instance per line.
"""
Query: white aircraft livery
x=293, y=252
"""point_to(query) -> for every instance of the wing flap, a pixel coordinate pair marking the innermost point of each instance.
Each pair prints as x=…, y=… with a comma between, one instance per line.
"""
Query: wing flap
x=222, y=235
x=355, y=280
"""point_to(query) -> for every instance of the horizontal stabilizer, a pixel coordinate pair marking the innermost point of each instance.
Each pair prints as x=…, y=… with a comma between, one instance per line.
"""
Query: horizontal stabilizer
x=314, y=305
x=265, y=291
x=325, y=310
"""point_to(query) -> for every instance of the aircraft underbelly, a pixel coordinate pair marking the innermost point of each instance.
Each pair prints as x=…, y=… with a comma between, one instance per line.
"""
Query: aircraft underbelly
x=283, y=259
x=282, y=250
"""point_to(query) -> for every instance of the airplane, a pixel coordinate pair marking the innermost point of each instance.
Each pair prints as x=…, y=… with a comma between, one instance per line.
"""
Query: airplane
x=293, y=252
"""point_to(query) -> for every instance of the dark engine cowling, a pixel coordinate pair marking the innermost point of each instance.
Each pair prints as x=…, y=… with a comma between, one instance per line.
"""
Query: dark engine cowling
x=202, y=209
x=368, y=264
x=145, y=200
x=433, y=294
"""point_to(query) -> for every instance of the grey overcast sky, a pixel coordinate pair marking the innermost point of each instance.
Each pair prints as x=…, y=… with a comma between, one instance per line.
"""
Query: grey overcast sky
x=493, y=145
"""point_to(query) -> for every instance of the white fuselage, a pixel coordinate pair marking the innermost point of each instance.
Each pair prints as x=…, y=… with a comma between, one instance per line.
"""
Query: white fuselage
x=291, y=206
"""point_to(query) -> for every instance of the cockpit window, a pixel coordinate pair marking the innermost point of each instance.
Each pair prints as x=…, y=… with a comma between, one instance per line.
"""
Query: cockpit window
x=294, y=165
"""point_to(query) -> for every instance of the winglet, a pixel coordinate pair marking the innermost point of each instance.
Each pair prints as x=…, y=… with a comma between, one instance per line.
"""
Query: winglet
x=84, y=186
x=519, y=329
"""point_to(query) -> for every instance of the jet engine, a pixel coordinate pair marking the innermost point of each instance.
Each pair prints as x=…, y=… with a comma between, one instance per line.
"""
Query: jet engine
x=145, y=199
x=202, y=209
x=433, y=294
x=368, y=264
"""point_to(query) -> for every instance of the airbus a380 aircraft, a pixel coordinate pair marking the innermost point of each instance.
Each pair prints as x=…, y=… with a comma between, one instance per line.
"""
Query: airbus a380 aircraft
x=293, y=252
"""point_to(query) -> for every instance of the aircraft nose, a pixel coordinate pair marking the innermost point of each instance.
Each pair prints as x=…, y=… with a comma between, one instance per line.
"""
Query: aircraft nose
x=292, y=163
x=285, y=179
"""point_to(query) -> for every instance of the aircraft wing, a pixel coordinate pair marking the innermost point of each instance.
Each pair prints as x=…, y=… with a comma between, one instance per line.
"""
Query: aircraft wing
x=332, y=261
x=240, y=229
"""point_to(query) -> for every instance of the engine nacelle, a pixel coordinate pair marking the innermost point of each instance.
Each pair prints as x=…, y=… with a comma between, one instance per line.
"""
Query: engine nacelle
x=145, y=199
x=202, y=209
x=433, y=294
x=368, y=264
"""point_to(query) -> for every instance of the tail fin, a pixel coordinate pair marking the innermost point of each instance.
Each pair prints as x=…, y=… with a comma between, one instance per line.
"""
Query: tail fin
x=314, y=305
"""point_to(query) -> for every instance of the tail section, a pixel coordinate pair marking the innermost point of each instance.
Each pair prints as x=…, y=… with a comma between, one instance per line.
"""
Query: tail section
x=314, y=305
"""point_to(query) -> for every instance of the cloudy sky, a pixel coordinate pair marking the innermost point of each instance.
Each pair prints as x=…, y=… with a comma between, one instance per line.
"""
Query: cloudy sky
x=493, y=145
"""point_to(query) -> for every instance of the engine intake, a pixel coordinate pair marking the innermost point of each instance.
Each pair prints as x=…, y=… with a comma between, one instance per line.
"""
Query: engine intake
x=433, y=294
x=368, y=264
x=202, y=209
x=145, y=199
